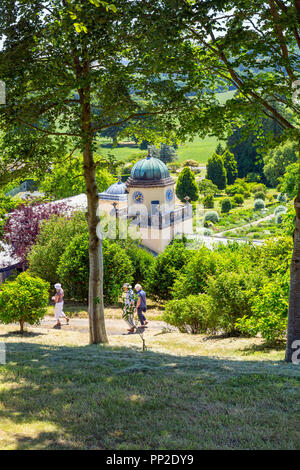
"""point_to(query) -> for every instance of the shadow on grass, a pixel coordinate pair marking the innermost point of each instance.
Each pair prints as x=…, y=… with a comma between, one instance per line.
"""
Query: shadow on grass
x=102, y=397
x=25, y=334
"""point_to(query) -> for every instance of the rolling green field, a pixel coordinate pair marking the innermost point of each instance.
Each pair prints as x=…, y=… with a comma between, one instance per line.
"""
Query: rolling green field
x=199, y=149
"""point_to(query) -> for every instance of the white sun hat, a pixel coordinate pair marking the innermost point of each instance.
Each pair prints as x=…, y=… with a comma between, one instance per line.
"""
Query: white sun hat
x=57, y=286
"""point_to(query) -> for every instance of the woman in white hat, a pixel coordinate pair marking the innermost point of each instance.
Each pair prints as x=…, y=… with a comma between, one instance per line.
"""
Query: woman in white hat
x=59, y=303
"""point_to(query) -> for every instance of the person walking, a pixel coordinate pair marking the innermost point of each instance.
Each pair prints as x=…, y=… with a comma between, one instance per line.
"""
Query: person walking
x=141, y=305
x=59, y=303
x=128, y=307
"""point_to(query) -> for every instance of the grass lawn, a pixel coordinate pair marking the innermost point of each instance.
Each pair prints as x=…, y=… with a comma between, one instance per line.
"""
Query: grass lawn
x=185, y=392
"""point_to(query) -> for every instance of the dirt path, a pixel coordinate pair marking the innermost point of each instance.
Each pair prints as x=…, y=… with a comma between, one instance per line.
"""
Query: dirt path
x=113, y=327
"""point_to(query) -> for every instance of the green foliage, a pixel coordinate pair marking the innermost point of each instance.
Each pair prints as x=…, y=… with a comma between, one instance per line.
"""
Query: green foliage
x=193, y=278
x=186, y=185
x=230, y=166
x=231, y=294
x=211, y=216
x=288, y=184
x=259, y=205
x=7, y=204
x=73, y=269
x=260, y=195
x=269, y=311
x=206, y=187
x=216, y=171
x=163, y=272
x=226, y=205
x=240, y=187
x=67, y=179
x=141, y=260
x=253, y=178
x=288, y=221
x=278, y=159
x=167, y=153
x=282, y=197
x=208, y=201
x=54, y=237
x=257, y=188
x=24, y=300
x=279, y=218
x=238, y=199
x=189, y=315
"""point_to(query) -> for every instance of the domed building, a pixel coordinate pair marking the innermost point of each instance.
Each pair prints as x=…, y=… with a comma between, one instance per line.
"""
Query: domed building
x=147, y=199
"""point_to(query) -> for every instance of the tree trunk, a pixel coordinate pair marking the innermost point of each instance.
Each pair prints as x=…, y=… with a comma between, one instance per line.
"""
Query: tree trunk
x=96, y=306
x=21, y=326
x=293, y=331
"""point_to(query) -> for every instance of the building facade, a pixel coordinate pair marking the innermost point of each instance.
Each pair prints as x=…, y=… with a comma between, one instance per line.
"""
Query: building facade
x=148, y=201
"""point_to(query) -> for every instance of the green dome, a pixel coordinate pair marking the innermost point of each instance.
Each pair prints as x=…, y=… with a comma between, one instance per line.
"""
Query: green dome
x=149, y=168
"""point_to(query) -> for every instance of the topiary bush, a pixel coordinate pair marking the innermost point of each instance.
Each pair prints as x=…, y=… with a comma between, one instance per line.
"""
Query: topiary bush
x=260, y=195
x=211, y=216
x=259, y=188
x=280, y=209
x=226, y=205
x=259, y=205
x=189, y=315
x=24, y=300
x=238, y=199
x=282, y=197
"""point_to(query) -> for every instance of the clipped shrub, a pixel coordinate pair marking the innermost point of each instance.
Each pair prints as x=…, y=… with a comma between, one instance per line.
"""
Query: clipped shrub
x=282, y=197
x=260, y=195
x=280, y=209
x=211, y=216
x=247, y=194
x=226, y=205
x=189, y=315
x=208, y=201
x=259, y=205
x=24, y=300
x=259, y=188
x=235, y=189
x=238, y=199
x=186, y=185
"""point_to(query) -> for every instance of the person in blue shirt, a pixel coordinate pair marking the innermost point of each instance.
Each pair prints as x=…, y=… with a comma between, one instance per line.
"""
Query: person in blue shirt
x=141, y=305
